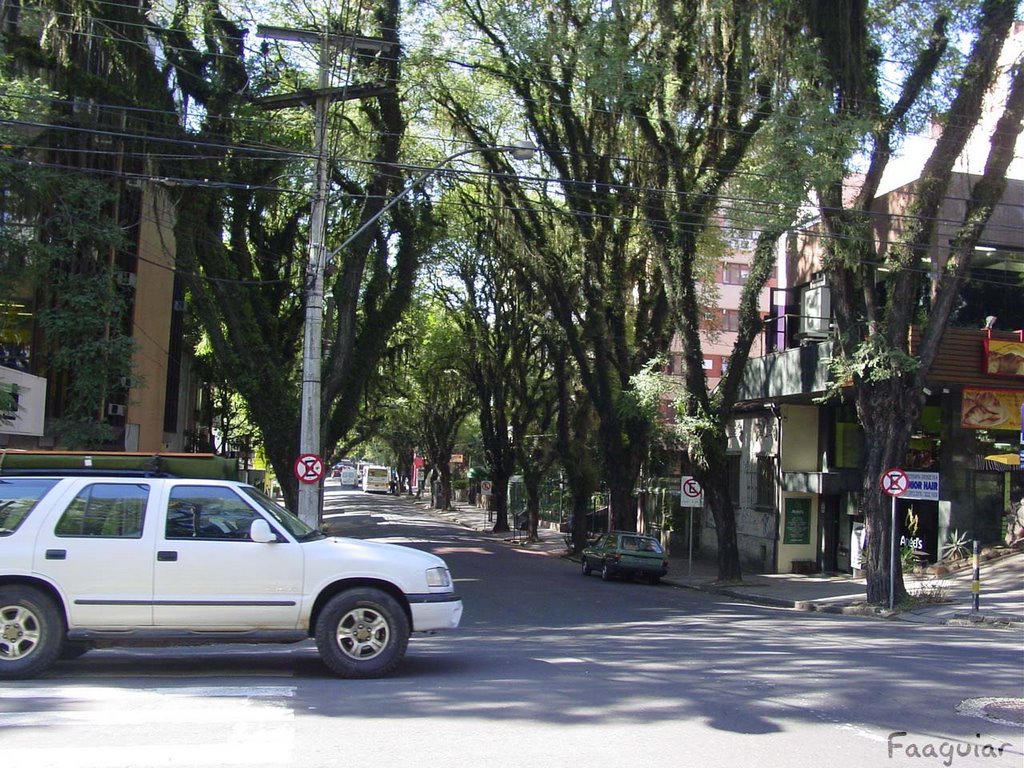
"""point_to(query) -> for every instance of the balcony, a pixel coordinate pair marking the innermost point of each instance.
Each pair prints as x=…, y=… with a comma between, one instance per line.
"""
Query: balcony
x=791, y=373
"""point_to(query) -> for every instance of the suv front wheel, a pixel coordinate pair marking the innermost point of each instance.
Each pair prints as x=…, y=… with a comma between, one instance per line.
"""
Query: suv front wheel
x=362, y=633
x=31, y=632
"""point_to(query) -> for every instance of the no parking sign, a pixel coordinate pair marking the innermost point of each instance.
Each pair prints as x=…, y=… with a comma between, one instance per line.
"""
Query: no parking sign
x=309, y=468
x=691, y=495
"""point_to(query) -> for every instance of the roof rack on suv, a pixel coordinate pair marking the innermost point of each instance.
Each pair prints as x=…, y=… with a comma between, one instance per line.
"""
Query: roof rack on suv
x=124, y=464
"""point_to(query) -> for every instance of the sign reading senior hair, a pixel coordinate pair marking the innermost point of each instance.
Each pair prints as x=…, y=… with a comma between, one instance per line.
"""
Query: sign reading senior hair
x=923, y=486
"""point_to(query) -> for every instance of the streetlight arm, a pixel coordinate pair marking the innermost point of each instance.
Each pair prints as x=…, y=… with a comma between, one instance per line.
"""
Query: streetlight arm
x=522, y=150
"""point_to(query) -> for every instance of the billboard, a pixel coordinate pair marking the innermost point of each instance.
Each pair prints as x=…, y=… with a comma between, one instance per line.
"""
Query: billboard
x=991, y=408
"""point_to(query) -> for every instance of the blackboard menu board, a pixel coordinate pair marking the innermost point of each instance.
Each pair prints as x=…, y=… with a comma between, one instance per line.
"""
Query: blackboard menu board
x=797, y=525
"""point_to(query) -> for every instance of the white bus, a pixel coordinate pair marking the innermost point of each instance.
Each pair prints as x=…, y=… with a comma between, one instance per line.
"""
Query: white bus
x=376, y=479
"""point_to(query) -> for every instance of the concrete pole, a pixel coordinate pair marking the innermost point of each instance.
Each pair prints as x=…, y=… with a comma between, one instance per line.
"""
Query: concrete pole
x=309, y=432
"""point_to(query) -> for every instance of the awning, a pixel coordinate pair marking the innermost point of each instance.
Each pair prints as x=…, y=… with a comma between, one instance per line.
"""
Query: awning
x=1000, y=462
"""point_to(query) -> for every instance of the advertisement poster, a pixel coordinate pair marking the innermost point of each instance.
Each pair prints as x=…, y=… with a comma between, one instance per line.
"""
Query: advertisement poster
x=1004, y=358
x=991, y=409
x=797, y=523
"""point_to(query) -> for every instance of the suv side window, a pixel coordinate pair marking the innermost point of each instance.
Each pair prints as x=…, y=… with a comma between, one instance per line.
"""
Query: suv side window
x=212, y=513
x=17, y=498
x=114, y=510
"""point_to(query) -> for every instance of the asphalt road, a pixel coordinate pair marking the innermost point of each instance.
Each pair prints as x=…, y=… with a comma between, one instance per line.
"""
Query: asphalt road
x=548, y=669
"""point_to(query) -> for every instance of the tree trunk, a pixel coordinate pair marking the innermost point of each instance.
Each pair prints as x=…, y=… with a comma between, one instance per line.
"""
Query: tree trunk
x=500, y=497
x=886, y=439
x=532, y=505
x=716, y=496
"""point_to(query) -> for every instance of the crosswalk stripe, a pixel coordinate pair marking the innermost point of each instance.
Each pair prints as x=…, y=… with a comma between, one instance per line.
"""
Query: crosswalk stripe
x=214, y=726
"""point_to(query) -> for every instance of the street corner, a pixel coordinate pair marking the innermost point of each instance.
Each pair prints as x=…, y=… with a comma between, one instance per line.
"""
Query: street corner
x=1004, y=711
x=996, y=621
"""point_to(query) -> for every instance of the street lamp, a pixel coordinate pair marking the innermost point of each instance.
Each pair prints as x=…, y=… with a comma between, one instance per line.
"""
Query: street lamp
x=309, y=429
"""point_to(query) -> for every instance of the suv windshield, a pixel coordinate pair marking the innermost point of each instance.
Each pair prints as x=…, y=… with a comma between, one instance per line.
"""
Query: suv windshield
x=282, y=516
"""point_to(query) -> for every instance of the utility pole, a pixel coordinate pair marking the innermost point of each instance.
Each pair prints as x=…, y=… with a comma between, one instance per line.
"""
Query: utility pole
x=310, y=432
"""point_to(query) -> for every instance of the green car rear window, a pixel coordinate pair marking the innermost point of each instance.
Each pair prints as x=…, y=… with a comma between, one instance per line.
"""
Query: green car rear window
x=18, y=497
x=641, y=544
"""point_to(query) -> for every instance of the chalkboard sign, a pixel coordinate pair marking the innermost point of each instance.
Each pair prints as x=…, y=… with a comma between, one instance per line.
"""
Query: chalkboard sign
x=797, y=529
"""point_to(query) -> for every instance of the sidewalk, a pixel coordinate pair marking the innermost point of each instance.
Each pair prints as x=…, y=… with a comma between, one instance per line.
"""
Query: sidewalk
x=1001, y=601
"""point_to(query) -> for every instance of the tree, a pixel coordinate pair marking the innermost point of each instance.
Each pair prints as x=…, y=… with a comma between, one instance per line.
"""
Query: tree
x=575, y=428
x=874, y=315
x=719, y=128
x=441, y=397
x=505, y=355
x=567, y=73
x=242, y=233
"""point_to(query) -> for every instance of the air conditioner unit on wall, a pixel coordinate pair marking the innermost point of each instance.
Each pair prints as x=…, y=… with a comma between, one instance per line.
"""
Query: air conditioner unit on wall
x=116, y=409
x=815, y=310
x=125, y=278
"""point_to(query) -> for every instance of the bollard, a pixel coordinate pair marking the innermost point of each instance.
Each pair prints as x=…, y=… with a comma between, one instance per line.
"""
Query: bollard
x=976, y=579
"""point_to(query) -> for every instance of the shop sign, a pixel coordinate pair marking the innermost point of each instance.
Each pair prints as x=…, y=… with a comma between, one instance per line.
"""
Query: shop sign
x=1004, y=358
x=923, y=486
x=991, y=408
x=797, y=522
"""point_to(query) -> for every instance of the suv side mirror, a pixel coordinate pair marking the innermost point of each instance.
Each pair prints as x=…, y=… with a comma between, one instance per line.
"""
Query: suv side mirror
x=261, y=533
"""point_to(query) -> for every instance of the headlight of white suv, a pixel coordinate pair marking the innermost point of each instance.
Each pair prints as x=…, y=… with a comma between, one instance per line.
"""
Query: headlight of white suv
x=438, y=577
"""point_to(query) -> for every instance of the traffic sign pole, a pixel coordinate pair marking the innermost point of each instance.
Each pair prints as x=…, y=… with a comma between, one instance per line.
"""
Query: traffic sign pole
x=892, y=557
x=895, y=483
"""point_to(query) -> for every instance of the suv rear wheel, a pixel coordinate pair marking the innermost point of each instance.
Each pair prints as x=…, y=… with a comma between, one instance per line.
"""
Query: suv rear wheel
x=362, y=633
x=31, y=632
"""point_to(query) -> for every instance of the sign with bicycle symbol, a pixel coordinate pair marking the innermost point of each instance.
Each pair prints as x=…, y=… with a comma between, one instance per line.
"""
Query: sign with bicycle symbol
x=309, y=468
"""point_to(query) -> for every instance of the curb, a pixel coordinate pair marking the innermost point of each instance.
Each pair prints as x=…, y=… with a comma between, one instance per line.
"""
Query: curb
x=835, y=606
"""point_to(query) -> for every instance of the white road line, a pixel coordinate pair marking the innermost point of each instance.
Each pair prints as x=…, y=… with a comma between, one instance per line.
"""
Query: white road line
x=90, y=727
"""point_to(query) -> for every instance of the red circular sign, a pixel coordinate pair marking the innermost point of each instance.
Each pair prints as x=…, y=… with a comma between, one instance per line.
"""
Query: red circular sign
x=692, y=489
x=895, y=482
x=309, y=468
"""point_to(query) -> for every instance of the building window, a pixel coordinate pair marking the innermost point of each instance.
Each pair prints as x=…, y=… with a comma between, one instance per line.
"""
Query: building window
x=730, y=320
x=766, y=482
x=734, y=479
x=735, y=274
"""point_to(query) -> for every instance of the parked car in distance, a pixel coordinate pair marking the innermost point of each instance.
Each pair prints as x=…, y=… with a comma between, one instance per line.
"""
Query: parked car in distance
x=625, y=555
x=92, y=557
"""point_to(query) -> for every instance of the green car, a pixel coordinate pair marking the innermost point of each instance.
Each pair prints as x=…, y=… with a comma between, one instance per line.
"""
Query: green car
x=625, y=554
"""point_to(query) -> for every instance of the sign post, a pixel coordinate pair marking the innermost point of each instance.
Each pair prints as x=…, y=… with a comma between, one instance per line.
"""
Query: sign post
x=895, y=483
x=691, y=496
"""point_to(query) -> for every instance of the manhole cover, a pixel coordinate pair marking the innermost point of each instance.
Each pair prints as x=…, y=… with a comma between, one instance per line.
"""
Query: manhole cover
x=1004, y=711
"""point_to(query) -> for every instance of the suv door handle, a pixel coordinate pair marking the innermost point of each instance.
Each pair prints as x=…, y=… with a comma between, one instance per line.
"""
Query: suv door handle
x=167, y=556
x=56, y=554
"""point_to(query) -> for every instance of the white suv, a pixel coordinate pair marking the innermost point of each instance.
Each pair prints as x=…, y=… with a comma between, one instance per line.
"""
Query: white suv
x=105, y=559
